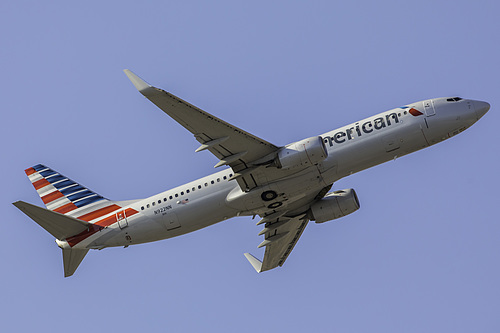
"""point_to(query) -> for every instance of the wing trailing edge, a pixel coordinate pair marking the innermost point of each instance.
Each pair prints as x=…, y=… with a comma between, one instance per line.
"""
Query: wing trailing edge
x=231, y=145
x=281, y=234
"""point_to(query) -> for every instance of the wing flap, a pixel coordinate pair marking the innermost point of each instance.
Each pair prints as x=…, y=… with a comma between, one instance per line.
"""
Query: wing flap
x=281, y=235
x=277, y=252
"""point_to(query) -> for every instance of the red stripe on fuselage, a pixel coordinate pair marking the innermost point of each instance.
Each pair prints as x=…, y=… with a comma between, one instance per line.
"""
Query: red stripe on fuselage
x=72, y=241
x=99, y=225
x=98, y=213
x=40, y=183
x=129, y=212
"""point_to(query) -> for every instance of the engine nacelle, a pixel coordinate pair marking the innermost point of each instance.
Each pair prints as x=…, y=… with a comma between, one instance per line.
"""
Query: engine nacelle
x=335, y=205
x=303, y=153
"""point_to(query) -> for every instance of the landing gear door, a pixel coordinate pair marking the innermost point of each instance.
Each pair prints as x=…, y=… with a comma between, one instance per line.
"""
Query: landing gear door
x=122, y=219
x=429, y=108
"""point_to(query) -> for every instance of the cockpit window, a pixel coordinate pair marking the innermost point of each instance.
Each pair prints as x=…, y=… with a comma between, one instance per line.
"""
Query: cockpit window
x=454, y=99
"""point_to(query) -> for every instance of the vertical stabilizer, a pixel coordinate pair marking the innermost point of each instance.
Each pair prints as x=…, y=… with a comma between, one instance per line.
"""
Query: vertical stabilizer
x=63, y=195
x=72, y=210
x=72, y=259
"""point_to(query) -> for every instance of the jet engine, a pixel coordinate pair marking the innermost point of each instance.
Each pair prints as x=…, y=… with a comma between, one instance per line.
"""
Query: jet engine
x=303, y=153
x=335, y=205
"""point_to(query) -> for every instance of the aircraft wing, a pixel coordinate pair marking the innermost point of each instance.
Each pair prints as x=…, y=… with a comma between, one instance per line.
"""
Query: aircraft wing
x=281, y=235
x=230, y=144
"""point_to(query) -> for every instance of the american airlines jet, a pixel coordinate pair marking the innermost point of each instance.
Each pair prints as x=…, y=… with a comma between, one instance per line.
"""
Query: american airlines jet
x=286, y=186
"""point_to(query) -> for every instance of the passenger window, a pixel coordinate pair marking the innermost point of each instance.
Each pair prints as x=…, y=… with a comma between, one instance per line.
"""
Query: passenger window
x=182, y=193
x=147, y=206
x=187, y=191
x=170, y=197
x=199, y=187
x=225, y=177
x=230, y=175
x=176, y=195
x=194, y=188
x=212, y=182
x=159, y=201
x=164, y=199
x=142, y=208
x=206, y=184
x=153, y=203
x=218, y=180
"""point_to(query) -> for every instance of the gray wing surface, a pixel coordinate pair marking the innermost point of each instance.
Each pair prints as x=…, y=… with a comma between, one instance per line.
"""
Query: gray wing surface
x=230, y=144
x=281, y=235
x=246, y=154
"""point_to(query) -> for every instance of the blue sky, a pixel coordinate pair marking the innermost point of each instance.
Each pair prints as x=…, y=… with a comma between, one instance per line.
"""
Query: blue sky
x=421, y=254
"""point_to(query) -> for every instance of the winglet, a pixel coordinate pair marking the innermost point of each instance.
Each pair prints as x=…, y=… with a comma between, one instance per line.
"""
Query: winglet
x=256, y=263
x=139, y=83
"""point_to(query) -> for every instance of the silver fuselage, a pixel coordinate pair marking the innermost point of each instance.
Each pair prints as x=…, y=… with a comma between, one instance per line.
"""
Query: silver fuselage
x=352, y=148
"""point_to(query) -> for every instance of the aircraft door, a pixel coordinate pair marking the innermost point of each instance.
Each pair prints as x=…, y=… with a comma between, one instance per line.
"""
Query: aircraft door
x=429, y=108
x=121, y=217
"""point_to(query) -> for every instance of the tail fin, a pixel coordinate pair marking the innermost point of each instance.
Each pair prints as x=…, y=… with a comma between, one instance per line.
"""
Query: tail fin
x=59, y=193
x=72, y=259
x=71, y=209
x=63, y=195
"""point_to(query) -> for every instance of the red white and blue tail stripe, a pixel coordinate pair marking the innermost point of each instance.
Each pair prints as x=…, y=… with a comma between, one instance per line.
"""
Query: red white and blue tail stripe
x=63, y=195
x=60, y=193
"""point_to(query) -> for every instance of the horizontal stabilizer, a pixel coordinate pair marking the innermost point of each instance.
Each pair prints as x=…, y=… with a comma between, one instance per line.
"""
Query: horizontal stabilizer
x=58, y=225
x=72, y=259
x=256, y=263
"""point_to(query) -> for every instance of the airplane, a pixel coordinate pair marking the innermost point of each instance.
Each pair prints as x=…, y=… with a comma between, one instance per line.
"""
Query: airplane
x=286, y=186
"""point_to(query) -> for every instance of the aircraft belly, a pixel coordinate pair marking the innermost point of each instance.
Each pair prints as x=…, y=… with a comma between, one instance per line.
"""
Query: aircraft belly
x=194, y=214
x=286, y=191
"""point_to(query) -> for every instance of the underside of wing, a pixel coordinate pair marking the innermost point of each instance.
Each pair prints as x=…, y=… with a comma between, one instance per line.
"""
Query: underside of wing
x=281, y=235
x=230, y=144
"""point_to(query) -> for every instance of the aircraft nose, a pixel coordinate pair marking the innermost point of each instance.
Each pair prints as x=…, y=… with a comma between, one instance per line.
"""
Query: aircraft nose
x=481, y=108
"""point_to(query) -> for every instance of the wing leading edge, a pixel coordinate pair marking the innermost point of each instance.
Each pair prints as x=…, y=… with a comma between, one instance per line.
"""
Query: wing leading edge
x=230, y=144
